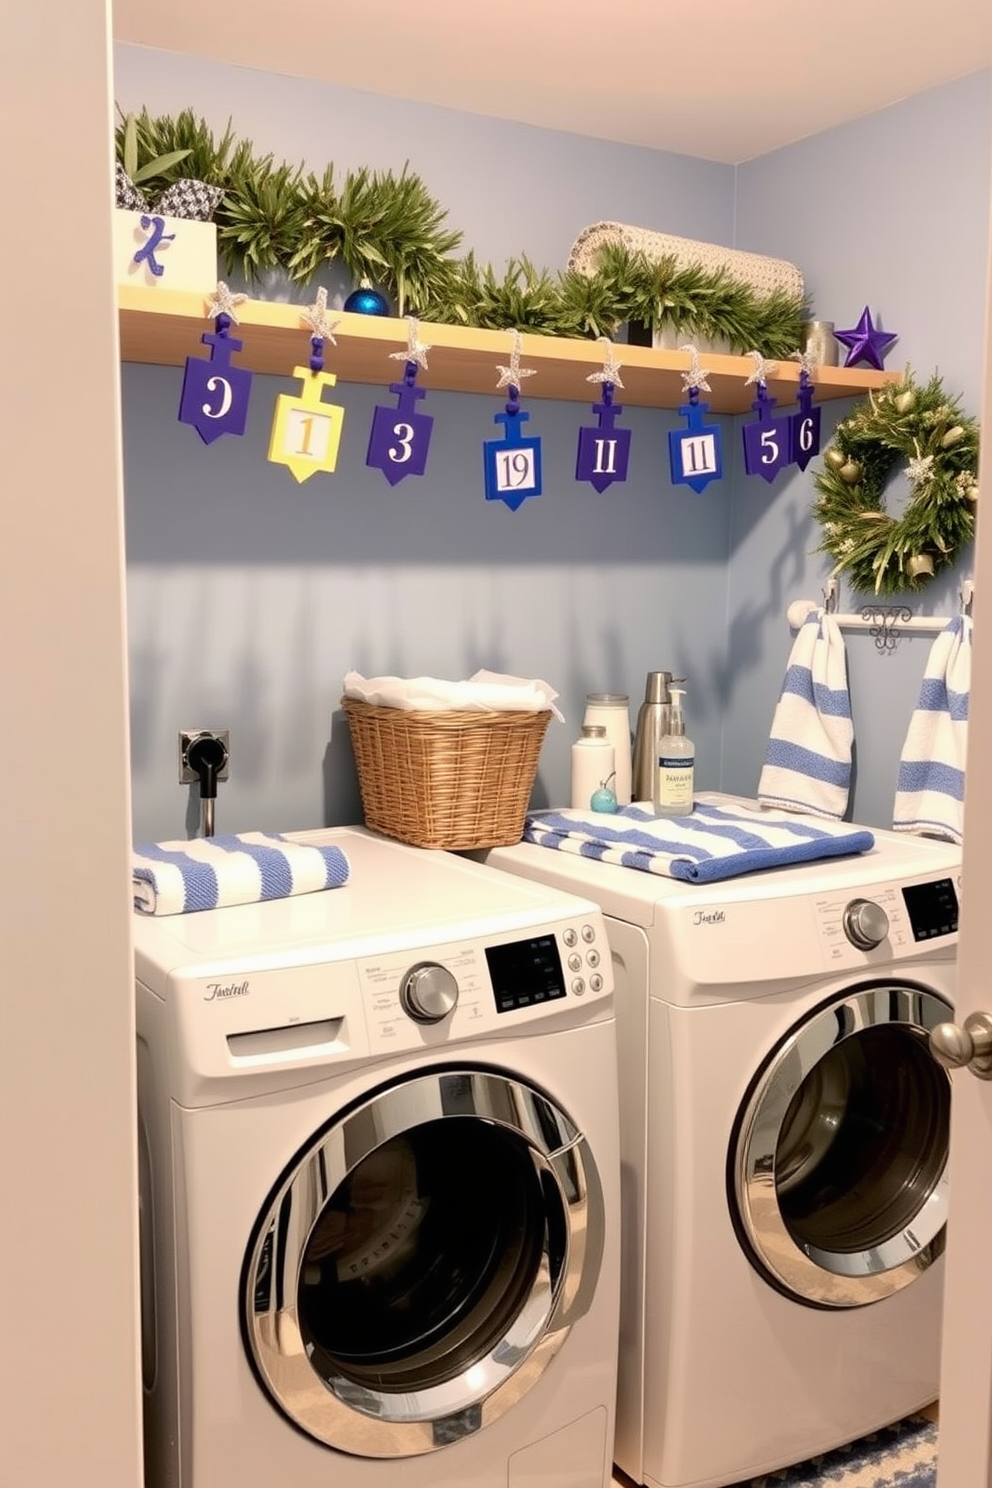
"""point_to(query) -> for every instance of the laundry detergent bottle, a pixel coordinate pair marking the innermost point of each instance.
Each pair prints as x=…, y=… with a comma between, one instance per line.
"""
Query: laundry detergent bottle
x=676, y=762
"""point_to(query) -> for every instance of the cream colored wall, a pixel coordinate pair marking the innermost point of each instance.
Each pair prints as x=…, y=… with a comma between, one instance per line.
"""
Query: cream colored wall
x=69, y=1401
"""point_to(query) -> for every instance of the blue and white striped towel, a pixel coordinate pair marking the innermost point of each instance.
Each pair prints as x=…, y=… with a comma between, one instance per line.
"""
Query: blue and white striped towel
x=808, y=760
x=213, y=872
x=711, y=844
x=930, y=788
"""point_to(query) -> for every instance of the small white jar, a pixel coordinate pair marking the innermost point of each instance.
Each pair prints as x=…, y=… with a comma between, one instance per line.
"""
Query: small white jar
x=593, y=762
x=612, y=710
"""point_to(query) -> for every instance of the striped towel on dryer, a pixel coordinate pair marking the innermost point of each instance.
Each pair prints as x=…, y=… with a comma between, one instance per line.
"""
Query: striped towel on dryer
x=808, y=760
x=930, y=788
x=214, y=872
x=714, y=843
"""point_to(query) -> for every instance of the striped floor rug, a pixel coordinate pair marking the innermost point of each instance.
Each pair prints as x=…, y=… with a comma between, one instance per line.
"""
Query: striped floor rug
x=899, y=1456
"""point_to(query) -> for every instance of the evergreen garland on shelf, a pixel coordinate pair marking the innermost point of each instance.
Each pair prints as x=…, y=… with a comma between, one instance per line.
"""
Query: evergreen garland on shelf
x=389, y=231
x=908, y=422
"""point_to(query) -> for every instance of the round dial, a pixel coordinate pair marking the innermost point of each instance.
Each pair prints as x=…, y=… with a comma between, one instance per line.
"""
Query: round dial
x=429, y=992
x=865, y=924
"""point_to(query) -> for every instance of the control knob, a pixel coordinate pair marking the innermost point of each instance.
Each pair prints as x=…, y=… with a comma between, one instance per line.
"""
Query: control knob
x=429, y=992
x=865, y=924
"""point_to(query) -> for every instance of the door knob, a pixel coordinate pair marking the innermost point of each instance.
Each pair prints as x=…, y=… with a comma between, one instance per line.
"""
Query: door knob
x=965, y=1047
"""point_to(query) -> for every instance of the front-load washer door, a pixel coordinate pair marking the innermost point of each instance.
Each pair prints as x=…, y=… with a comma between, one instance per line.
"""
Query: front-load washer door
x=838, y=1167
x=421, y=1262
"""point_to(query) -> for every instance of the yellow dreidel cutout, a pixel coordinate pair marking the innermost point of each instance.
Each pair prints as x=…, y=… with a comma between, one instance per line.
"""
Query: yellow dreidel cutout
x=306, y=432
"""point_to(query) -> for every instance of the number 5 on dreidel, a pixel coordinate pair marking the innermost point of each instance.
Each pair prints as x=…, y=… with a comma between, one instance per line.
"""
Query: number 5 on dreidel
x=306, y=432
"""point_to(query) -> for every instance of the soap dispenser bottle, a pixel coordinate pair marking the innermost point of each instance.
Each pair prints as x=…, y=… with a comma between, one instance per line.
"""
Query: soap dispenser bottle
x=673, y=784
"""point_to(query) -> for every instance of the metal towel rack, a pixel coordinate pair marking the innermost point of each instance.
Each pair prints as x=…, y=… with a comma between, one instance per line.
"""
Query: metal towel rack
x=885, y=623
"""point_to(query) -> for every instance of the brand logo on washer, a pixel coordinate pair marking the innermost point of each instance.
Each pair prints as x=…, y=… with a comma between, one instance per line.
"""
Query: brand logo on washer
x=709, y=917
x=225, y=989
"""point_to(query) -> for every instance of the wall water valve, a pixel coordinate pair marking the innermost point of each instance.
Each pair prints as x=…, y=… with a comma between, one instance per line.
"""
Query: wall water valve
x=205, y=757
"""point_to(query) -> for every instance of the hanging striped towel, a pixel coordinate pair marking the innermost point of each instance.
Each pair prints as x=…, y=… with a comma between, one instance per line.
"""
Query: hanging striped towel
x=212, y=872
x=711, y=844
x=930, y=788
x=808, y=760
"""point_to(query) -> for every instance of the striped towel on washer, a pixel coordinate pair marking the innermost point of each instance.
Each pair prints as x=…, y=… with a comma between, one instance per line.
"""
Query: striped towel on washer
x=213, y=872
x=930, y=788
x=808, y=760
x=713, y=843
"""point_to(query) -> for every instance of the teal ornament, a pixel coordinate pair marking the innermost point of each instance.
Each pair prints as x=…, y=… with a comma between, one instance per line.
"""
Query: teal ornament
x=603, y=799
x=367, y=301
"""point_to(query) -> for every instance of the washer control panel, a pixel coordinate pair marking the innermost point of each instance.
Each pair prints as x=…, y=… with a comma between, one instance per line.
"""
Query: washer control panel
x=456, y=990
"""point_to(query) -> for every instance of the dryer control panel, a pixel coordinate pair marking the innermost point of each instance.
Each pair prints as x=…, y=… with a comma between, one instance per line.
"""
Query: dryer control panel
x=885, y=921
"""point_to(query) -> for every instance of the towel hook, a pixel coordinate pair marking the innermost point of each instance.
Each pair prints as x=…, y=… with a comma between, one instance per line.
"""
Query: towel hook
x=830, y=596
x=967, y=596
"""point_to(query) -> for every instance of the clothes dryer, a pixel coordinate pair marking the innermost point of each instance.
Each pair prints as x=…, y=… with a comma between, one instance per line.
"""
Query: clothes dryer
x=784, y=1138
x=380, y=1183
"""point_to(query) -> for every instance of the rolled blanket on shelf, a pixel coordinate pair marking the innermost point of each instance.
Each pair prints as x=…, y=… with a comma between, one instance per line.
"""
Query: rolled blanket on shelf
x=713, y=843
x=214, y=872
x=930, y=787
x=808, y=760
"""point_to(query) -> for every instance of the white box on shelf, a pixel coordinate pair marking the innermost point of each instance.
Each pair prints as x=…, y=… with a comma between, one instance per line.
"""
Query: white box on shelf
x=156, y=252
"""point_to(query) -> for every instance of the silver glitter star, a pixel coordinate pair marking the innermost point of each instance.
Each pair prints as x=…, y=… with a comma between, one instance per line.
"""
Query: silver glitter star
x=920, y=469
x=510, y=376
x=806, y=362
x=696, y=375
x=415, y=351
x=315, y=316
x=223, y=302
x=611, y=368
x=762, y=369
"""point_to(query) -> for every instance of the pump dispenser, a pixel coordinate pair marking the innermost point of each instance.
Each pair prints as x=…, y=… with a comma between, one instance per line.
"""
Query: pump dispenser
x=673, y=783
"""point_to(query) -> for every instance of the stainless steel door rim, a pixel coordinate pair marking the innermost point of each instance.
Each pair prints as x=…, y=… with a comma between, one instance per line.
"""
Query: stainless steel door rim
x=839, y=1165
x=413, y=1274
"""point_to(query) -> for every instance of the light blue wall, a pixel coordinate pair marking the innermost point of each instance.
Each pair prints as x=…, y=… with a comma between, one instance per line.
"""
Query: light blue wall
x=250, y=596
x=891, y=211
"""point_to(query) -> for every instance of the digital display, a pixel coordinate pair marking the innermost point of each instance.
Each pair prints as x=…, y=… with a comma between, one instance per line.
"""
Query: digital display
x=525, y=973
x=932, y=908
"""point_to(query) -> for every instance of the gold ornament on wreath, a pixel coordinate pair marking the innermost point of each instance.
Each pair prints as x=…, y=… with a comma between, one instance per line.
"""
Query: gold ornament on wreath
x=920, y=425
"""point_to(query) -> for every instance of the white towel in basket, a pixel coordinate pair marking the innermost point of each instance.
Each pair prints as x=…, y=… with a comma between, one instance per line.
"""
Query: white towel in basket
x=483, y=691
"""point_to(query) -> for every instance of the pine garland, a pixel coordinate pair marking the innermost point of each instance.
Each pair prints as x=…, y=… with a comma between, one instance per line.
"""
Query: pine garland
x=921, y=425
x=388, y=229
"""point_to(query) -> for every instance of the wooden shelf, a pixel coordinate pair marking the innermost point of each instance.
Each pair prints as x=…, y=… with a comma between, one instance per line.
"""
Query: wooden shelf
x=164, y=327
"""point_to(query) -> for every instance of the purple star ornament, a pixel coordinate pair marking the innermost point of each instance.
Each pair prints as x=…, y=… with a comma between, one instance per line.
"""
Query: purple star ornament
x=865, y=343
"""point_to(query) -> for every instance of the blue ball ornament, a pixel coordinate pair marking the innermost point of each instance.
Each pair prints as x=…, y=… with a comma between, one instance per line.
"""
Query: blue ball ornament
x=367, y=301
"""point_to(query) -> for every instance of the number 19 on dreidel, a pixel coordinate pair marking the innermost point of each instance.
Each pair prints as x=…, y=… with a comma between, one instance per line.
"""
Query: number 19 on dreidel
x=306, y=432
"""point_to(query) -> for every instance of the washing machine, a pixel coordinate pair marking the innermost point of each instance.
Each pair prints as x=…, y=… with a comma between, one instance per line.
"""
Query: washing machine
x=379, y=1183
x=784, y=1142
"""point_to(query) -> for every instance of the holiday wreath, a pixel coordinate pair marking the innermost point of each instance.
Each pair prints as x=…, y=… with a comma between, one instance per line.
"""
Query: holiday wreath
x=919, y=424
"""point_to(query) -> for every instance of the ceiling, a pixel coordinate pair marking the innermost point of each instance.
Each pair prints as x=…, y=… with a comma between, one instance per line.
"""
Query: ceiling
x=724, y=80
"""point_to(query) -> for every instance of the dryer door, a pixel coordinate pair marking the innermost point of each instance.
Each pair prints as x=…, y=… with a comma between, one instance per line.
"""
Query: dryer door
x=421, y=1262
x=838, y=1171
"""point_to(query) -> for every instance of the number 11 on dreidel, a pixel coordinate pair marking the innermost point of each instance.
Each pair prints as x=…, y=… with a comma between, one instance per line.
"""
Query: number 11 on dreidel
x=306, y=431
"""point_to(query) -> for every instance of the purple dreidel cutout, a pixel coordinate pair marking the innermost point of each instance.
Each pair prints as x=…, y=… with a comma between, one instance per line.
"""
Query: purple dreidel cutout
x=768, y=441
x=400, y=438
x=603, y=451
x=215, y=393
x=804, y=426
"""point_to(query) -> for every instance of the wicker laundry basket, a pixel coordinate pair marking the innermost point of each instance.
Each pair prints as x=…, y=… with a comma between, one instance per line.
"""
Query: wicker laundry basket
x=445, y=779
